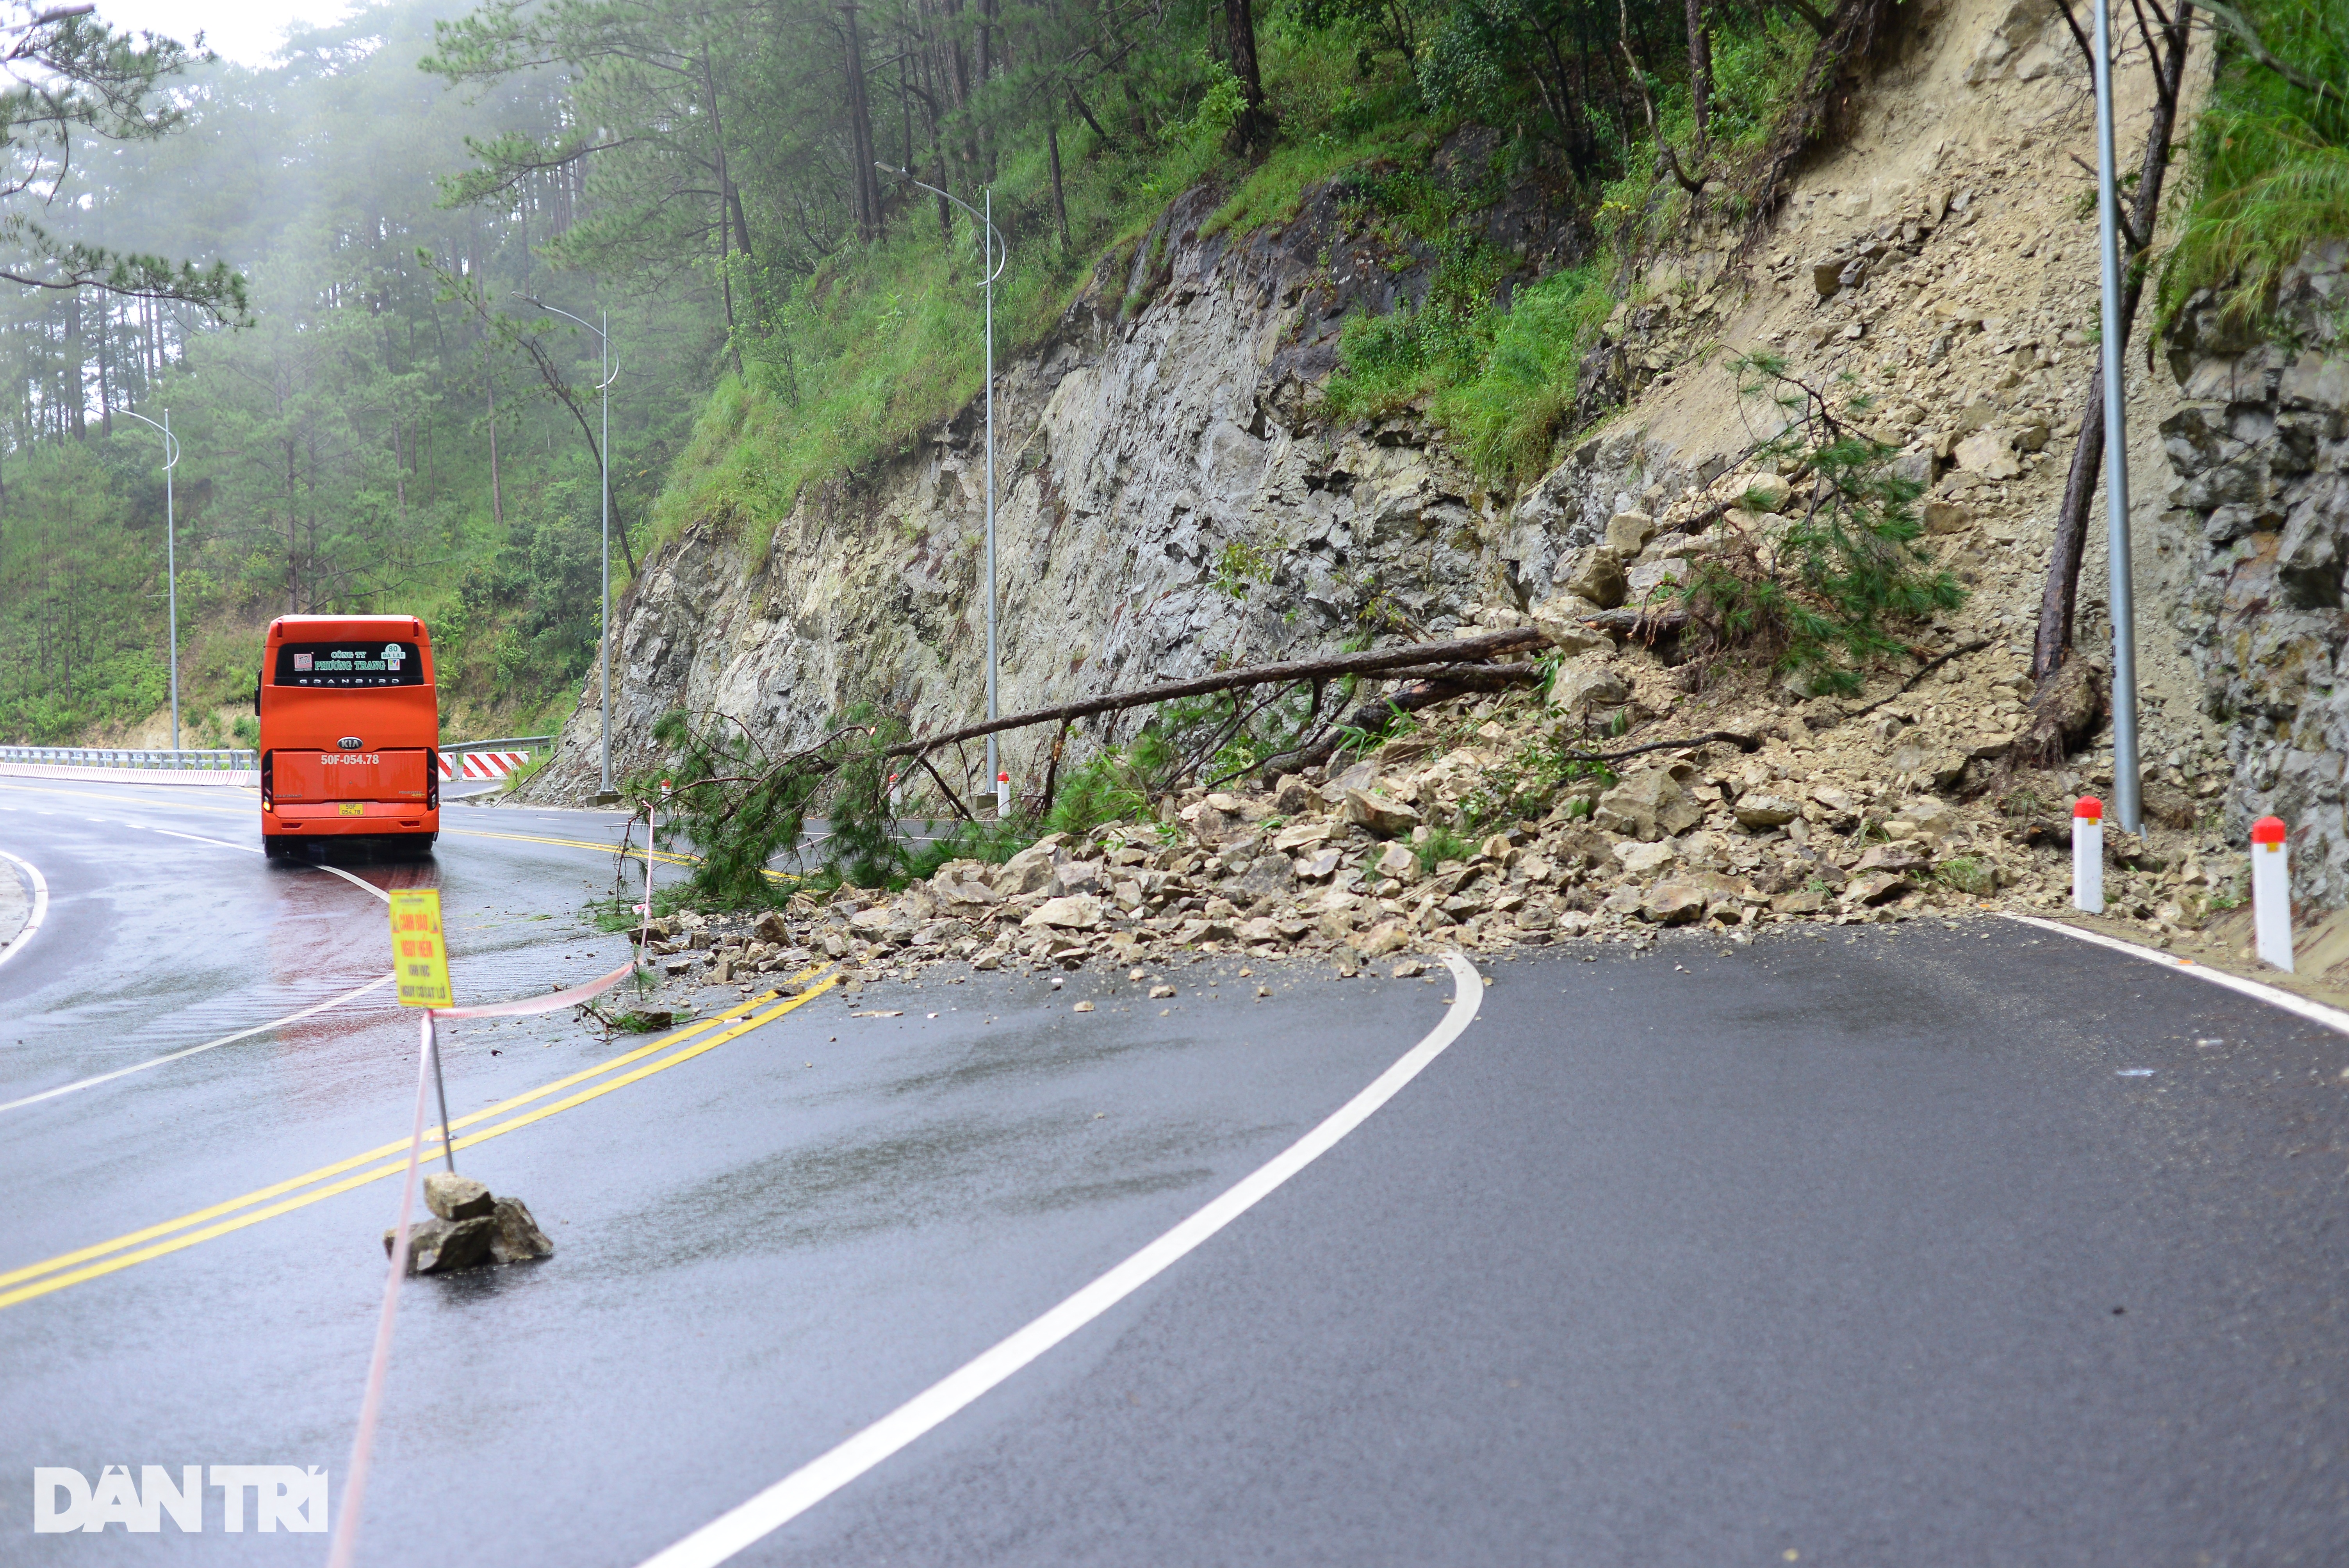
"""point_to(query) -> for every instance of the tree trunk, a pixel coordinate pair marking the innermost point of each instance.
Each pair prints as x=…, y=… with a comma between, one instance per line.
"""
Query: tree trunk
x=1052, y=148
x=1484, y=645
x=1252, y=132
x=77, y=367
x=496, y=503
x=105, y=381
x=864, y=175
x=1700, y=47
x=2059, y=600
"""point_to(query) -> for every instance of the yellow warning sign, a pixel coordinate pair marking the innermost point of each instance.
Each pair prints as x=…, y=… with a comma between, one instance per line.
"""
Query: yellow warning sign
x=418, y=958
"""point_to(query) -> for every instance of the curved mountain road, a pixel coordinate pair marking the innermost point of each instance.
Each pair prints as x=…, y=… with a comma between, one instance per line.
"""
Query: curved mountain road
x=1927, y=1243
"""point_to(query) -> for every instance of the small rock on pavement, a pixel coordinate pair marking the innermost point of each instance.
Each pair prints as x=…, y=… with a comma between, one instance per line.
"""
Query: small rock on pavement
x=518, y=1237
x=1082, y=1008
x=1673, y=902
x=444, y=1246
x=495, y=1230
x=455, y=1197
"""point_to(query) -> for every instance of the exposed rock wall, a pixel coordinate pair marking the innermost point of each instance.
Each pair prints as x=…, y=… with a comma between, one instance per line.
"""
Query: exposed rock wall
x=2262, y=456
x=1164, y=505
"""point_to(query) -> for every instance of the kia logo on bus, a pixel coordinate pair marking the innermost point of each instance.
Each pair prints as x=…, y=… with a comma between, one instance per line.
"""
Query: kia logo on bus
x=348, y=743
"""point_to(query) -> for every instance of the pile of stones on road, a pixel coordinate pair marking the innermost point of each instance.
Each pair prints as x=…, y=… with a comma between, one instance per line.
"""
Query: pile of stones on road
x=469, y=1226
x=1825, y=821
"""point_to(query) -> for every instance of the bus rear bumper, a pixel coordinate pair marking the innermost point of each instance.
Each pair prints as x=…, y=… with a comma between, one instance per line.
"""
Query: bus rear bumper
x=370, y=819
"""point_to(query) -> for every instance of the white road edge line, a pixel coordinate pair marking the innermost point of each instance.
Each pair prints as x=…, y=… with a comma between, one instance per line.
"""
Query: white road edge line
x=357, y=882
x=199, y=839
x=17, y=942
x=2315, y=1012
x=802, y=1490
x=192, y=1050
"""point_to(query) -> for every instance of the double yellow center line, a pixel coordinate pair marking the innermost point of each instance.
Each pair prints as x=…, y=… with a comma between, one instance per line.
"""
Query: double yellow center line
x=313, y=1186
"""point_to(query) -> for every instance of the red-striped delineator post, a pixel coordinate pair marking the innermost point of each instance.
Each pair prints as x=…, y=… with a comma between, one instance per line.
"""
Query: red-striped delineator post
x=2088, y=855
x=2271, y=892
x=1003, y=795
x=896, y=795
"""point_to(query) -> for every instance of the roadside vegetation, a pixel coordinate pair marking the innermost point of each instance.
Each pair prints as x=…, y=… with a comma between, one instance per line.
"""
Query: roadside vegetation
x=2268, y=171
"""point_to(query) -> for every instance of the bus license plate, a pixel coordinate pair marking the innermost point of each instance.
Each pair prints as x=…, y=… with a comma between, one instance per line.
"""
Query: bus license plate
x=351, y=808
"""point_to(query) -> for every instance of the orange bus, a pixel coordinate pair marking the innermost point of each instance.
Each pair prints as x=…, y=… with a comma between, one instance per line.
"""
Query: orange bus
x=350, y=727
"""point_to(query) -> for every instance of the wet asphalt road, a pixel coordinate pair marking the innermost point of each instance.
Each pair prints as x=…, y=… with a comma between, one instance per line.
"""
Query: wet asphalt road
x=1859, y=1247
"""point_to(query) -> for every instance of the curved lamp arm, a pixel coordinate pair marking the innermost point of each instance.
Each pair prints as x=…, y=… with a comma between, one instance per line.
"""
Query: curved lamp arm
x=1002, y=247
x=171, y=441
x=588, y=325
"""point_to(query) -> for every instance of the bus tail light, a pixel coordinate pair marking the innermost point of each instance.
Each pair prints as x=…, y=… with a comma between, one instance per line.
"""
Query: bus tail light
x=268, y=779
x=432, y=779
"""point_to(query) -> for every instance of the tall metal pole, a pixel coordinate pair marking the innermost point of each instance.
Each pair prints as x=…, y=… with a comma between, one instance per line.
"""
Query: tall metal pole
x=604, y=603
x=2126, y=799
x=171, y=567
x=993, y=769
x=170, y=557
x=995, y=256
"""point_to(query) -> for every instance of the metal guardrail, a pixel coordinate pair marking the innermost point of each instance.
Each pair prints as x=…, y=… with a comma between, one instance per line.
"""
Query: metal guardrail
x=511, y=743
x=166, y=760
x=235, y=761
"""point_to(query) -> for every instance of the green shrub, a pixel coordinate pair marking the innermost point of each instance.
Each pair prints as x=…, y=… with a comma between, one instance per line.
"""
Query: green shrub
x=2270, y=162
x=1824, y=598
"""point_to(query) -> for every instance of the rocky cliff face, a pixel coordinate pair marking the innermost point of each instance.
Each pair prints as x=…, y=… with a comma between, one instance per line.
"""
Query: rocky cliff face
x=2261, y=455
x=1165, y=505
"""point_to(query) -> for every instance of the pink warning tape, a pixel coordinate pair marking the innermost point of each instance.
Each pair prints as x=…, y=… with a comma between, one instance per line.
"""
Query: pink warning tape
x=523, y=1006
x=345, y=1539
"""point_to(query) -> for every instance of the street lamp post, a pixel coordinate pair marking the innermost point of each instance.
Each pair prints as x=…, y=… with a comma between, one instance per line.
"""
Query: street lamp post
x=604, y=603
x=170, y=556
x=995, y=256
x=2125, y=779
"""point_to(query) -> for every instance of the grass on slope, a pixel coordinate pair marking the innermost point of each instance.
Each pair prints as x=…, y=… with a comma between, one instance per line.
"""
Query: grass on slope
x=888, y=339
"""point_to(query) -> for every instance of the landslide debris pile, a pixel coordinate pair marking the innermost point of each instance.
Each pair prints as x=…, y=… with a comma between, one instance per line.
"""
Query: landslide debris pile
x=1837, y=813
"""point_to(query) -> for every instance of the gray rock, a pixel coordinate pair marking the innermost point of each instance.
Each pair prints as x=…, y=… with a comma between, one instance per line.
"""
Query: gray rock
x=1758, y=813
x=1628, y=533
x=1990, y=453
x=1675, y=900
x=1075, y=912
x=517, y=1237
x=1270, y=874
x=1648, y=806
x=1598, y=576
x=1030, y=871
x=1294, y=796
x=1587, y=685
x=1386, y=818
x=455, y=1197
x=444, y=1246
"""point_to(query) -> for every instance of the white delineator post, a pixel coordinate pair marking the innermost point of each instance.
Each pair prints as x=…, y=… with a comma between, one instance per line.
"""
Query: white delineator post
x=896, y=795
x=2271, y=892
x=2088, y=855
x=1003, y=795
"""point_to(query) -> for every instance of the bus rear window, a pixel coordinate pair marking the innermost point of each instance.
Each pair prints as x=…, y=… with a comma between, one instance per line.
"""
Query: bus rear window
x=348, y=664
